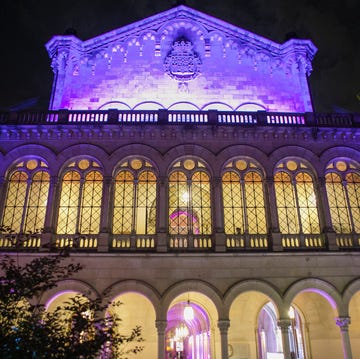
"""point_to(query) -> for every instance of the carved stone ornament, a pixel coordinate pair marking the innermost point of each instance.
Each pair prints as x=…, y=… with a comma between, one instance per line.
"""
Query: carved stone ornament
x=182, y=63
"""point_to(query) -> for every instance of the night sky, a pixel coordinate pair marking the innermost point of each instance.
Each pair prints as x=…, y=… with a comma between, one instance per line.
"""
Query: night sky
x=332, y=25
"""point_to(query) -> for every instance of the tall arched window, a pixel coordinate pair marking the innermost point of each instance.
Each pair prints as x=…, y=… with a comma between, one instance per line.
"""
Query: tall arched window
x=296, y=198
x=343, y=192
x=243, y=198
x=189, y=198
x=26, y=197
x=80, y=198
x=135, y=198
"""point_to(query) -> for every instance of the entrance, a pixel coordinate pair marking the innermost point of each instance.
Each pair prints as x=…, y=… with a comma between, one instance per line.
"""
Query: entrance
x=187, y=332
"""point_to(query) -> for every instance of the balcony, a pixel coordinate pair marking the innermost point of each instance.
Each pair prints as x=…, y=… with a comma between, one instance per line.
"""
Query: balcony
x=161, y=117
x=133, y=243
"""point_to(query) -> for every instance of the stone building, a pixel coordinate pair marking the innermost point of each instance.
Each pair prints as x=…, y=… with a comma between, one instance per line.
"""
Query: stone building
x=181, y=158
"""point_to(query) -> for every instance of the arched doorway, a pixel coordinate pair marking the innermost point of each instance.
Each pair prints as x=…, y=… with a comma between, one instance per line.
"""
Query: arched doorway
x=354, y=327
x=189, y=331
x=323, y=339
x=269, y=334
x=243, y=335
x=137, y=310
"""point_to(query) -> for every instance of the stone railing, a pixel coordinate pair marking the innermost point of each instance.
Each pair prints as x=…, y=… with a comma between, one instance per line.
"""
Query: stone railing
x=211, y=117
x=178, y=243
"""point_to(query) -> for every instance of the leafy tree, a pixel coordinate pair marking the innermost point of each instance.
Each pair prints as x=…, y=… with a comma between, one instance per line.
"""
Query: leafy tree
x=77, y=329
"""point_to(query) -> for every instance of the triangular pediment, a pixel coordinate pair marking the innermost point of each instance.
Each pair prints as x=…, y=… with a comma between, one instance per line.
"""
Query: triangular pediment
x=195, y=24
x=181, y=57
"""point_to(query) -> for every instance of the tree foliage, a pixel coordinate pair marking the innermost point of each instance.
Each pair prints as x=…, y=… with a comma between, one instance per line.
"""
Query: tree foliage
x=76, y=329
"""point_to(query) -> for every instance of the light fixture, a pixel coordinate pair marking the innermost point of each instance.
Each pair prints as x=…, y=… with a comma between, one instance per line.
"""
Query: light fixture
x=188, y=311
x=181, y=332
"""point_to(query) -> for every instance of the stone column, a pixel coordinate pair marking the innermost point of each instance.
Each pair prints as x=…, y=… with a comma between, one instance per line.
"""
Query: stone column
x=2, y=194
x=272, y=214
x=51, y=213
x=223, y=325
x=161, y=327
x=162, y=214
x=343, y=324
x=325, y=215
x=104, y=234
x=284, y=325
x=218, y=215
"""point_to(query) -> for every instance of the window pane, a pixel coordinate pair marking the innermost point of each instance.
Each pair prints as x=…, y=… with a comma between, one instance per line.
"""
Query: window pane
x=307, y=203
x=91, y=203
x=337, y=203
x=353, y=188
x=233, y=204
x=179, y=210
x=15, y=201
x=200, y=200
x=286, y=204
x=38, y=197
x=69, y=203
x=255, y=206
x=123, y=203
x=146, y=204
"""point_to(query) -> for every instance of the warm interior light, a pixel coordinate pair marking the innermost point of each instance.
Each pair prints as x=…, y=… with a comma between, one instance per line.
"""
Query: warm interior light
x=188, y=312
x=292, y=313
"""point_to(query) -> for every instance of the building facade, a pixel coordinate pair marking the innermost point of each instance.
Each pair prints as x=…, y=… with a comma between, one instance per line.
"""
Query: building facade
x=181, y=158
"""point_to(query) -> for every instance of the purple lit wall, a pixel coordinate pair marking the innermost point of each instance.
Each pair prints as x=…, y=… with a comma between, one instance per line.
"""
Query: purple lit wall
x=180, y=59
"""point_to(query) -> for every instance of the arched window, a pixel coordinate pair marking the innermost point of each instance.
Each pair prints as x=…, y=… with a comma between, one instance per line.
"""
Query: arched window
x=135, y=198
x=189, y=198
x=296, y=198
x=26, y=197
x=243, y=198
x=80, y=198
x=343, y=192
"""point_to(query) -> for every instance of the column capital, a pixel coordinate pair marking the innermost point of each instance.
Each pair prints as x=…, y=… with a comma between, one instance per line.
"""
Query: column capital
x=223, y=325
x=343, y=323
x=284, y=324
x=161, y=326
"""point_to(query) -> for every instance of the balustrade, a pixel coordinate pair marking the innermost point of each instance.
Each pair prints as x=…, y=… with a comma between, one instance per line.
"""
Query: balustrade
x=213, y=117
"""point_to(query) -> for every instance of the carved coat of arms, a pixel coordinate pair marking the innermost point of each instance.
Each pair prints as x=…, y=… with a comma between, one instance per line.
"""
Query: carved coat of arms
x=182, y=63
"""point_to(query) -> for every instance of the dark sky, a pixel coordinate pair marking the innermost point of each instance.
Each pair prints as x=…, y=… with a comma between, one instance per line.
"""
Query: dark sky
x=333, y=26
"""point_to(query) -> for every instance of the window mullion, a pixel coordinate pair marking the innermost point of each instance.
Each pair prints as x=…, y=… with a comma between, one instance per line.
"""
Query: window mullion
x=135, y=205
x=26, y=203
x=348, y=205
x=294, y=185
x=80, y=205
x=243, y=198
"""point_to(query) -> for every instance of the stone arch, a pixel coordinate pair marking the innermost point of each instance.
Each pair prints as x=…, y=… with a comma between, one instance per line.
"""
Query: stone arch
x=191, y=286
x=241, y=151
x=181, y=105
x=251, y=106
x=133, y=150
x=338, y=152
x=253, y=285
x=120, y=105
x=77, y=151
x=144, y=105
x=200, y=152
x=325, y=289
x=296, y=152
x=69, y=285
x=27, y=151
x=348, y=294
x=118, y=288
x=217, y=105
